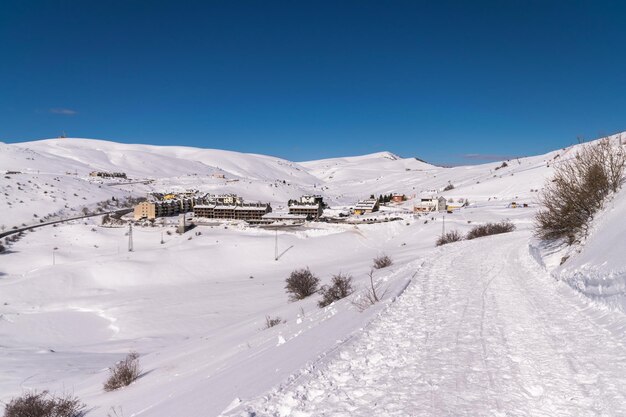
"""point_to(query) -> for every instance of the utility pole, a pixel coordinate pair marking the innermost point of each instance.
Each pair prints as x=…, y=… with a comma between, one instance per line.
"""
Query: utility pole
x=443, y=230
x=162, y=241
x=276, y=245
x=130, y=237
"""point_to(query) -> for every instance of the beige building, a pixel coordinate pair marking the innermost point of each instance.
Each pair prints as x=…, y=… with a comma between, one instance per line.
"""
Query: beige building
x=172, y=207
x=145, y=210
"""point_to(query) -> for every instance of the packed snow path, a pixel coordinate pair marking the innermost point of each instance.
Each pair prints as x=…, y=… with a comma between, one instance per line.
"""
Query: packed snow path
x=481, y=331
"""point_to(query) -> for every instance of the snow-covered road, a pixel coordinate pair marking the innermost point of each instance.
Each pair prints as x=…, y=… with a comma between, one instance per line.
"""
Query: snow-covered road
x=483, y=330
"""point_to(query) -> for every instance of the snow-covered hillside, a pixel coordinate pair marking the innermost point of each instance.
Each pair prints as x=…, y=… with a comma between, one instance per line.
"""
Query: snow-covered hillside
x=54, y=177
x=487, y=325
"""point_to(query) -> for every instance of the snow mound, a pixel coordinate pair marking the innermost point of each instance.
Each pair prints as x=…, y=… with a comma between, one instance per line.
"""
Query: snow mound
x=598, y=268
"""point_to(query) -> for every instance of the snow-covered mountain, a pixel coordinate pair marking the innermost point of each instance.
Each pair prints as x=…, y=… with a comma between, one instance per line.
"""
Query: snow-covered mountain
x=145, y=161
x=64, y=164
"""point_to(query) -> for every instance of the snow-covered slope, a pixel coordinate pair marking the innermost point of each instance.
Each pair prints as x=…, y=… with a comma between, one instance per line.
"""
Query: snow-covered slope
x=53, y=175
x=161, y=161
x=357, y=166
x=73, y=300
x=598, y=268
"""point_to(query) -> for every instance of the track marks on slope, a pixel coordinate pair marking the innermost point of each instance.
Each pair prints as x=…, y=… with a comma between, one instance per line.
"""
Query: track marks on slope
x=481, y=331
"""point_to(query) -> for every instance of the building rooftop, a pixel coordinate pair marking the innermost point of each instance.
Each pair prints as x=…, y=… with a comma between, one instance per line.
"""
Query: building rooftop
x=305, y=205
x=366, y=204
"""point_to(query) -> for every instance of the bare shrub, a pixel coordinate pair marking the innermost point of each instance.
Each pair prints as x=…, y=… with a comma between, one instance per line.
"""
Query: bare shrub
x=341, y=287
x=301, y=284
x=115, y=412
x=124, y=373
x=44, y=404
x=578, y=190
x=452, y=236
x=448, y=187
x=490, y=229
x=370, y=296
x=271, y=322
x=382, y=261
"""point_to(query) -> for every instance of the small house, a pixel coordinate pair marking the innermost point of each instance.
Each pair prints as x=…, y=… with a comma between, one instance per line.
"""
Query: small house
x=366, y=206
x=430, y=203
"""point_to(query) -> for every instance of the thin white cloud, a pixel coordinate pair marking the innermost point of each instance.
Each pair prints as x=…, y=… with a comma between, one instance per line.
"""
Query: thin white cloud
x=63, y=111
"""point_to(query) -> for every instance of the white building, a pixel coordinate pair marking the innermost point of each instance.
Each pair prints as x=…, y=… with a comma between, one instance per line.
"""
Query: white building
x=430, y=203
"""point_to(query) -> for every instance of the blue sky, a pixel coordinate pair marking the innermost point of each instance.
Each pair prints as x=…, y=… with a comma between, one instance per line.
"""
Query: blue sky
x=449, y=82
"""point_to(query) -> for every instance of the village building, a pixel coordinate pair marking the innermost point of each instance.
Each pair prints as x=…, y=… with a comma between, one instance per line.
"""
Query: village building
x=366, y=206
x=105, y=174
x=311, y=206
x=226, y=199
x=430, y=203
x=398, y=198
x=145, y=210
x=174, y=195
x=312, y=199
x=153, y=209
x=250, y=212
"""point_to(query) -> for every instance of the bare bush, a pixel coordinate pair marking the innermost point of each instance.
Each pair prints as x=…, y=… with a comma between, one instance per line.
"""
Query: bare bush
x=115, y=412
x=272, y=321
x=301, y=284
x=370, y=296
x=449, y=237
x=341, y=287
x=382, y=261
x=578, y=190
x=448, y=187
x=124, y=373
x=44, y=404
x=488, y=229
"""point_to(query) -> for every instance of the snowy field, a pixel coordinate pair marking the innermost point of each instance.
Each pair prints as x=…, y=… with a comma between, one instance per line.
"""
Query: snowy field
x=487, y=327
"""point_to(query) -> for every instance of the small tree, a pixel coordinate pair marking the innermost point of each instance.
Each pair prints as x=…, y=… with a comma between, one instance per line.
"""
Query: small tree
x=452, y=236
x=124, y=373
x=578, y=190
x=370, y=296
x=382, y=261
x=490, y=229
x=341, y=287
x=272, y=321
x=301, y=284
x=44, y=404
